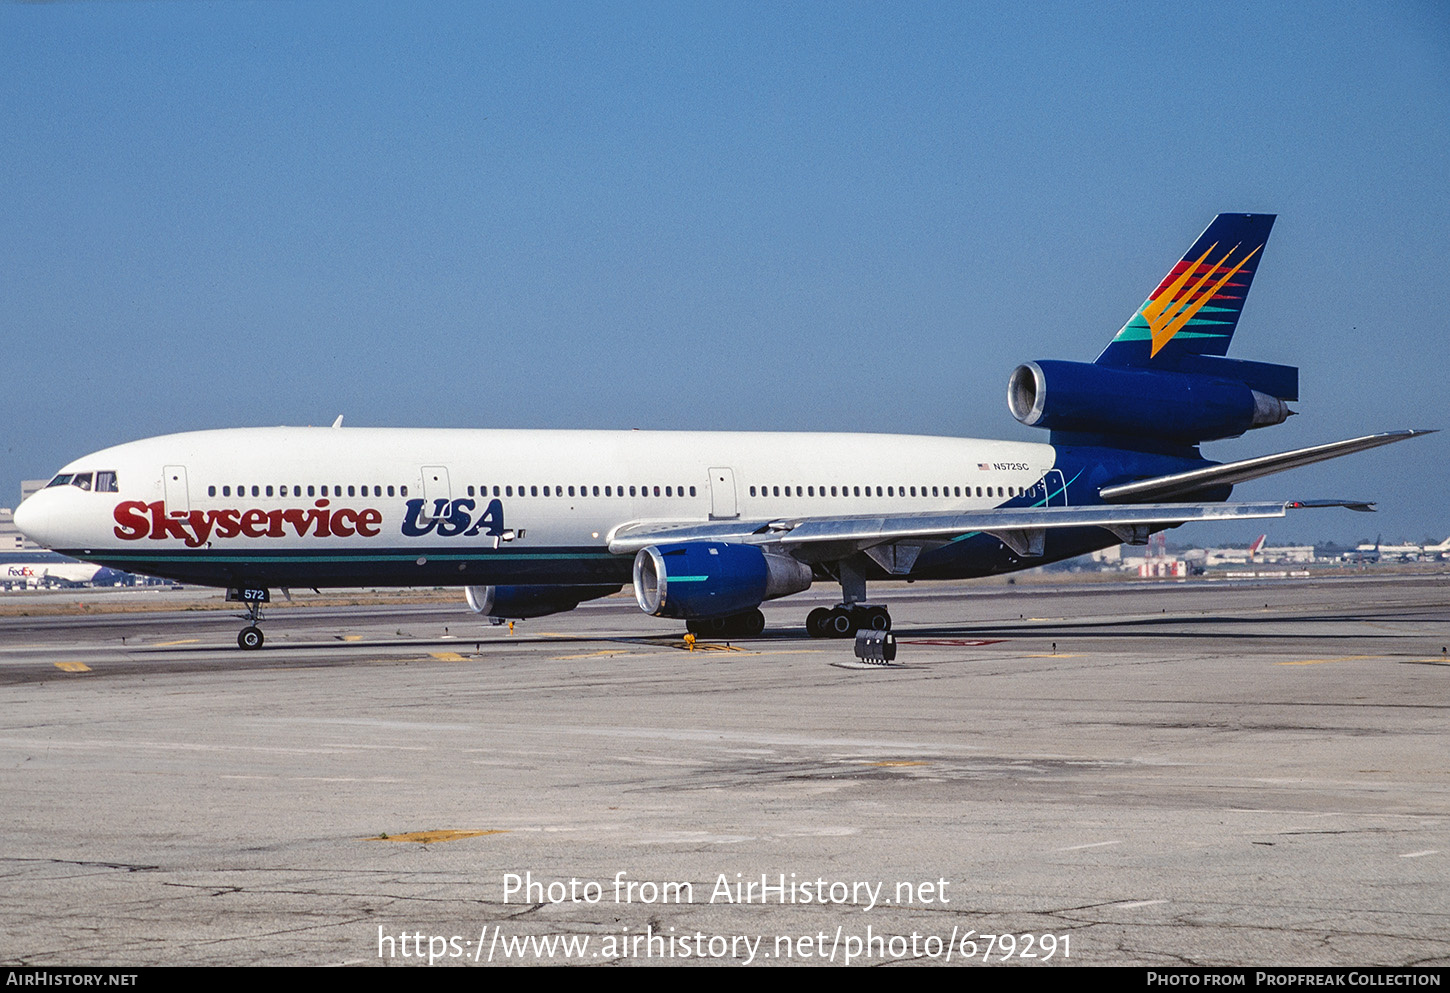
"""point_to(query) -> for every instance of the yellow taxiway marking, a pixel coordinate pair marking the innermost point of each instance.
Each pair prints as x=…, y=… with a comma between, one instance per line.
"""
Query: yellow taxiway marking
x=1342, y=658
x=352, y=637
x=72, y=667
x=448, y=656
x=183, y=641
x=429, y=837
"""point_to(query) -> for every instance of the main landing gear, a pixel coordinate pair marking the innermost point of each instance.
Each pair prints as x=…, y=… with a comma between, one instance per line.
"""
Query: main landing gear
x=853, y=613
x=745, y=625
x=250, y=636
x=845, y=620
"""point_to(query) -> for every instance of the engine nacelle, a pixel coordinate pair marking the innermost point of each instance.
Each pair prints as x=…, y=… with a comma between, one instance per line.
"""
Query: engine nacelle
x=514, y=603
x=705, y=579
x=1174, y=406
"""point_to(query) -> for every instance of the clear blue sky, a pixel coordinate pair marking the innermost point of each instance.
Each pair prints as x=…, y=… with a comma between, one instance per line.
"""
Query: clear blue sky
x=766, y=216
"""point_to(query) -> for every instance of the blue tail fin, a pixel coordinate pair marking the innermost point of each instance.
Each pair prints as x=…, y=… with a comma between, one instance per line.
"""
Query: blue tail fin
x=1196, y=307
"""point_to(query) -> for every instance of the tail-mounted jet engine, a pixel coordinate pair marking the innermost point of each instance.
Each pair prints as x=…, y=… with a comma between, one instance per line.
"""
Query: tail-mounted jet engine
x=1172, y=406
x=514, y=603
x=716, y=587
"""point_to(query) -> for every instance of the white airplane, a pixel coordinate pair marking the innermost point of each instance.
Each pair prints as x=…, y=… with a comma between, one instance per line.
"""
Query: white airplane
x=707, y=526
x=31, y=570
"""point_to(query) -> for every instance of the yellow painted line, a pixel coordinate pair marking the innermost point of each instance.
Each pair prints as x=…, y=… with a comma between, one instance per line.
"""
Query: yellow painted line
x=72, y=667
x=429, y=837
x=352, y=637
x=448, y=656
x=1342, y=658
x=168, y=644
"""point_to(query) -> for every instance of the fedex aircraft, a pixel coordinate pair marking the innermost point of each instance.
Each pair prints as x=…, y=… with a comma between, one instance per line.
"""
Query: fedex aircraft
x=707, y=526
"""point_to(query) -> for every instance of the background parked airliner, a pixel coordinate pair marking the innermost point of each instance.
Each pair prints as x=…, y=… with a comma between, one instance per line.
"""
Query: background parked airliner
x=707, y=526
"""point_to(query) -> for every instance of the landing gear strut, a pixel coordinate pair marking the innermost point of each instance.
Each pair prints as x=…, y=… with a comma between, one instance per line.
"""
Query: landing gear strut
x=250, y=636
x=853, y=613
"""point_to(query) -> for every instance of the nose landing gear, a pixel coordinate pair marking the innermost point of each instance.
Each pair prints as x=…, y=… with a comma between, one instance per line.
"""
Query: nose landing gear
x=250, y=636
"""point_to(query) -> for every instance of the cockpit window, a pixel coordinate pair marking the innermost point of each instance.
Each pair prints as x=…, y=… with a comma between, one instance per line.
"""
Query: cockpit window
x=101, y=482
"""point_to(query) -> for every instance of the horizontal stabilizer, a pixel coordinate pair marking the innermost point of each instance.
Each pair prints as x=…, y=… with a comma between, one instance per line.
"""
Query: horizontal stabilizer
x=1196, y=480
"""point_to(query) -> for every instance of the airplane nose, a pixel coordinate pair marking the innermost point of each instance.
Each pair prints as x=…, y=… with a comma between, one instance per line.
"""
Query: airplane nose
x=30, y=520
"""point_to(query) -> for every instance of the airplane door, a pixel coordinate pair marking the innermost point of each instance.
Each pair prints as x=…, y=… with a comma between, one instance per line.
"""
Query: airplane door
x=178, y=499
x=435, y=488
x=722, y=495
x=1056, y=488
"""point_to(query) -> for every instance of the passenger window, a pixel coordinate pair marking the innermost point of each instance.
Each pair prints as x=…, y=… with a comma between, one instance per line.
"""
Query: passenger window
x=211, y=491
x=596, y=491
x=402, y=491
x=692, y=491
x=533, y=490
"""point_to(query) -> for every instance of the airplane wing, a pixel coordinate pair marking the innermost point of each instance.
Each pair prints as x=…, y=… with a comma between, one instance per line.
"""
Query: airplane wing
x=1184, y=483
x=1022, y=529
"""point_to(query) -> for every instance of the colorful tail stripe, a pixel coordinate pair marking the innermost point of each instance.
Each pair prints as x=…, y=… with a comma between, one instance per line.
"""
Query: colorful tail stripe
x=1196, y=307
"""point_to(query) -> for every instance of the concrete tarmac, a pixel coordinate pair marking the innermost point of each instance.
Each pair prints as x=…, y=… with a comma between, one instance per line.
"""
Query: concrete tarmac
x=1133, y=774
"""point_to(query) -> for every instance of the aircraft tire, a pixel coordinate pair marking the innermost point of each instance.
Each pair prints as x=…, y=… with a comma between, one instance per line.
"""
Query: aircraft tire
x=250, y=638
x=816, y=622
x=877, y=619
x=840, y=623
x=749, y=624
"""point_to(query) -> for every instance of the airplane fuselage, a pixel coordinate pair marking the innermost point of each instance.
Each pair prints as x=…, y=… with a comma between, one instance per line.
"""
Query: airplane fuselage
x=359, y=506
